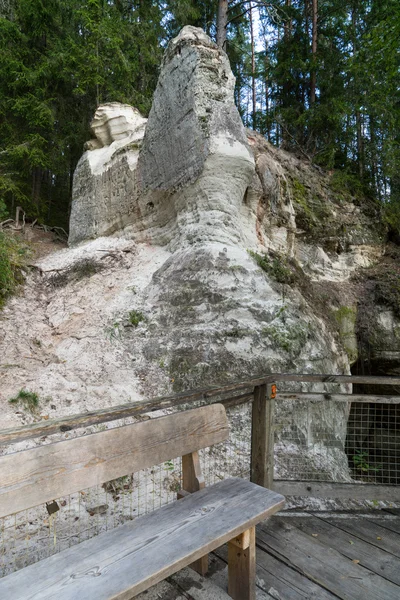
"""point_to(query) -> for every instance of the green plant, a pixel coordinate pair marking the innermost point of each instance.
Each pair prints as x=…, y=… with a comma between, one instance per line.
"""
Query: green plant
x=3, y=210
x=360, y=461
x=347, y=184
x=290, y=338
x=114, y=331
x=29, y=400
x=12, y=261
x=277, y=267
x=135, y=317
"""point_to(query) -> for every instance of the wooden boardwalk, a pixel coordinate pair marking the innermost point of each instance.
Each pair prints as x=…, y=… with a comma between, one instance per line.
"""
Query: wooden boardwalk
x=315, y=556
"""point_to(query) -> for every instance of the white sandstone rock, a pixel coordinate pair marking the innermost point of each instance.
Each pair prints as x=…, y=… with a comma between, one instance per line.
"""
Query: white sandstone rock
x=114, y=122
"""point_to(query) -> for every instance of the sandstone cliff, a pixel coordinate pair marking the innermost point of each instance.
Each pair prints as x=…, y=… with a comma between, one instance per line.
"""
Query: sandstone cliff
x=224, y=258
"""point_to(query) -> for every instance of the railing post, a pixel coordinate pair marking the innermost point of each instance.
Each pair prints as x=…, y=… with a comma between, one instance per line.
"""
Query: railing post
x=262, y=435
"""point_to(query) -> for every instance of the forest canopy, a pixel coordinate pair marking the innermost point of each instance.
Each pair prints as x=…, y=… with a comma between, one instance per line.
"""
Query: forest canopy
x=318, y=77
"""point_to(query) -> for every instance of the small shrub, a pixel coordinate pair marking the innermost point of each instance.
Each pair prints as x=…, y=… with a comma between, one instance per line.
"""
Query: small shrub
x=29, y=400
x=277, y=267
x=12, y=260
x=3, y=210
x=361, y=463
x=347, y=184
x=391, y=217
x=135, y=317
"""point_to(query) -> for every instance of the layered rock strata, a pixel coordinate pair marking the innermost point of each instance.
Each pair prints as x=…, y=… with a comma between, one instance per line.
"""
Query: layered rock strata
x=209, y=192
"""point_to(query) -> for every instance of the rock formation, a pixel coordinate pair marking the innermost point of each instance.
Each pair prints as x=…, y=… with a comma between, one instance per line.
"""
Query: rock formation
x=105, y=181
x=228, y=262
x=208, y=192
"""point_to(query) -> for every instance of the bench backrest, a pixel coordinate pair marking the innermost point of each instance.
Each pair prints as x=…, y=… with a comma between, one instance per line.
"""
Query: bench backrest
x=42, y=474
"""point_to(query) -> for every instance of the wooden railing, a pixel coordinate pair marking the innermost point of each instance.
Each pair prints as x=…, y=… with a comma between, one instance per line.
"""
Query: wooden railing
x=263, y=392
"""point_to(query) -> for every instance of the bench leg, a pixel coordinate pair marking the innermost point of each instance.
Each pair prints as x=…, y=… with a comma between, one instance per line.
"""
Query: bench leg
x=242, y=566
x=193, y=481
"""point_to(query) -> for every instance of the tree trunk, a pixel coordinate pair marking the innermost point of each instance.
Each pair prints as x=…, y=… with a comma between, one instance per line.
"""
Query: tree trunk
x=222, y=21
x=359, y=128
x=253, y=69
x=268, y=128
x=288, y=22
x=313, y=84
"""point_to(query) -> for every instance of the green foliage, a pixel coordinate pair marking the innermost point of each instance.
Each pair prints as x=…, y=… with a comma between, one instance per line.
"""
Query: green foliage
x=391, y=216
x=362, y=463
x=347, y=184
x=290, y=338
x=3, y=210
x=135, y=317
x=58, y=61
x=277, y=267
x=28, y=400
x=12, y=260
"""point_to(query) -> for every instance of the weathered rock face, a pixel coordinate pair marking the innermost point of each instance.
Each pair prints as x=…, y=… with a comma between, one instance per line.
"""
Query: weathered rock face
x=299, y=211
x=208, y=192
x=104, y=186
x=191, y=199
x=195, y=164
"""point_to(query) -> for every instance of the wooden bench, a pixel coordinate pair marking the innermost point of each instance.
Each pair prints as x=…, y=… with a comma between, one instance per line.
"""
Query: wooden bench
x=127, y=560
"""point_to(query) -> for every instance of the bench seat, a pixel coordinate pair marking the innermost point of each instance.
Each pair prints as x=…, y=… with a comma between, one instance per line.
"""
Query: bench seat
x=127, y=560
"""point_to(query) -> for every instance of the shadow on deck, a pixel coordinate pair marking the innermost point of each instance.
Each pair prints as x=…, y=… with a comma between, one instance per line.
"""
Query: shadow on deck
x=318, y=556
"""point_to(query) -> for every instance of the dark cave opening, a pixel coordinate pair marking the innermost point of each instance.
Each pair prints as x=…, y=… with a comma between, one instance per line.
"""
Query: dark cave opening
x=373, y=429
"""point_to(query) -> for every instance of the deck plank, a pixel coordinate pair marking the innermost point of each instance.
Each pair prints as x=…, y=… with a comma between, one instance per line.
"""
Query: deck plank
x=280, y=581
x=375, y=559
x=323, y=565
x=369, y=531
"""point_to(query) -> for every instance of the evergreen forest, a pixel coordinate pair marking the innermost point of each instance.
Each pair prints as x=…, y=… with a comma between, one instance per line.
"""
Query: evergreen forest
x=318, y=77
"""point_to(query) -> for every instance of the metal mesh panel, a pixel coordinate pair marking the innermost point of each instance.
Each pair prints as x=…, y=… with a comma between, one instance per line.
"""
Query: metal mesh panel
x=310, y=440
x=373, y=442
x=32, y=535
x=324, y=440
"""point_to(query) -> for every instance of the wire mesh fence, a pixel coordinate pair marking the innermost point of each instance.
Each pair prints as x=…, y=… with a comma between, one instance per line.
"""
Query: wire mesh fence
x=309, y=438
x=32, y=535
x=318, y=438
x=373, y=442
x=324, y=440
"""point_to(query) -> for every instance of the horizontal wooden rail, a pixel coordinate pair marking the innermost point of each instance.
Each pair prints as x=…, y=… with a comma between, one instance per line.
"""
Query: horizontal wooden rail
x=95, y=417
x=18, y=434
x=366, y=379
x=346, y=491
x=364, y=398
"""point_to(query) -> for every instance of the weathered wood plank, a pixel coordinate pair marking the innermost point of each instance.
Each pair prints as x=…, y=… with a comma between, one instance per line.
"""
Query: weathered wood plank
x=134, y=409
x=361, y=491
x=372, y=533
x=361, y=398
x=134, y=556
x=193, y=481
x=323, y=565
x=18, y=434
x=389, y=522
x=331, y=534
x=47, y=472
x=324, y=378
x=212, y=587
x=262, y=436
x=281, y=581
x=242, y=569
